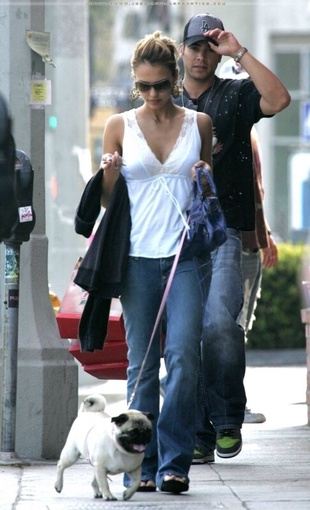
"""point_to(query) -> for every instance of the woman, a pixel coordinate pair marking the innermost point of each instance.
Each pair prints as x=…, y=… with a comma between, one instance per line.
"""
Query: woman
x=157, y=147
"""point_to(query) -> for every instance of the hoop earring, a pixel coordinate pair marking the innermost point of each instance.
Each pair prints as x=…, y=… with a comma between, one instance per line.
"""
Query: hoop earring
x=175, y=90
x=134, y=94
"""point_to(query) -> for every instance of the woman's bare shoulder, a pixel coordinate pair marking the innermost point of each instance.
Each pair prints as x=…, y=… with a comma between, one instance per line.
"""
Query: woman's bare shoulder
x=204, y=119
x=115, y=120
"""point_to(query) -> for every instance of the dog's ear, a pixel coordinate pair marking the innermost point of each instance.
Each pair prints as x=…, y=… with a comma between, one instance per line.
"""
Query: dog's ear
x=88, y=402
x=150, y=416
x=121, y=419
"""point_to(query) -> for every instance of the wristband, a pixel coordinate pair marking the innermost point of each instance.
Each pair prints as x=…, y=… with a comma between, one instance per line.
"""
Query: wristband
x=238, y=56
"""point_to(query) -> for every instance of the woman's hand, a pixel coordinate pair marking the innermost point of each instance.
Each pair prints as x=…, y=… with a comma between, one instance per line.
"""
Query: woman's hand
x=111, y=162
x=205, y=185
x=198, y=165
x=111, y=165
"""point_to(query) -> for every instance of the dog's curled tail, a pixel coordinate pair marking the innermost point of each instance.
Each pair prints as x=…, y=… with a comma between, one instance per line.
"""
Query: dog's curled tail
x=95, y=403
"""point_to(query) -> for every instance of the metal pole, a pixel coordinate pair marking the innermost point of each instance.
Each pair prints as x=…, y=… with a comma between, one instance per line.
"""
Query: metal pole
x=10, y=349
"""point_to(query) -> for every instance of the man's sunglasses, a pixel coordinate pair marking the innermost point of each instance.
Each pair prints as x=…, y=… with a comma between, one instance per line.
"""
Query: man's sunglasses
x=158, y=86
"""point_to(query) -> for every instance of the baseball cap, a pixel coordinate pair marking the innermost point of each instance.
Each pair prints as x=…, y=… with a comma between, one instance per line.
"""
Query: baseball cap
x=232, y=69
x=198, y=25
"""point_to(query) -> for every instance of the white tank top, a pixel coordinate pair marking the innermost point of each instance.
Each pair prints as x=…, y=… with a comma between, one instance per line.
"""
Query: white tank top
x=158, y=193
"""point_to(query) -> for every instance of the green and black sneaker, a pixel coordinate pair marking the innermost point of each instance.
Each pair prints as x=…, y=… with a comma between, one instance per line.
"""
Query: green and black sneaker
x=202, y=456
x=228, y=443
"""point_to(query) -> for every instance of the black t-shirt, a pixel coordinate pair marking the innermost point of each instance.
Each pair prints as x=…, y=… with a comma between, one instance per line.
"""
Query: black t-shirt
x=233, y=106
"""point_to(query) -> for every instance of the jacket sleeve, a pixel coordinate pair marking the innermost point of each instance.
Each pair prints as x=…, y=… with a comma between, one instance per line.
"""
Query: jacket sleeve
x=90, y=206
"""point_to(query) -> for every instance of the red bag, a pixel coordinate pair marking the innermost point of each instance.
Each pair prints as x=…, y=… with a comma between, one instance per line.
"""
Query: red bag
x=109, y=363
x=75, y=297
x=71, y=307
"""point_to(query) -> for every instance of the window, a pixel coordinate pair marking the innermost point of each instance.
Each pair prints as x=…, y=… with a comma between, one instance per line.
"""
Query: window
x=292, y=66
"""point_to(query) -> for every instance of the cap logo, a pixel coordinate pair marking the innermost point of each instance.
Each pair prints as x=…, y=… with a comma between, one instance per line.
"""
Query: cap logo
x=204, y=26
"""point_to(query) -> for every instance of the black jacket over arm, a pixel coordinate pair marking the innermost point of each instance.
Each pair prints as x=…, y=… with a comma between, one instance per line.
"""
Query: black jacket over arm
x=102, y=269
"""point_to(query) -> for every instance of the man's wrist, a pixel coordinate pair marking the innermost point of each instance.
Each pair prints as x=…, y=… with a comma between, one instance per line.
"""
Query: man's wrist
x=238, y=56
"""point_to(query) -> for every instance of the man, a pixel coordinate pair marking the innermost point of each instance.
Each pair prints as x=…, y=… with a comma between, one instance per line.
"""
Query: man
x=234, y=106
x=259, y=248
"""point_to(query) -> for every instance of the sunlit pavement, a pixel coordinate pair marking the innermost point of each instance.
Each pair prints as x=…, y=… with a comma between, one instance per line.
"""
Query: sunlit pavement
x=272, y=471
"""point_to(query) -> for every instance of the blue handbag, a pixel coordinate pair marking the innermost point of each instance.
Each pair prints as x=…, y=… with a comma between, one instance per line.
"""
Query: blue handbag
x=206, y=220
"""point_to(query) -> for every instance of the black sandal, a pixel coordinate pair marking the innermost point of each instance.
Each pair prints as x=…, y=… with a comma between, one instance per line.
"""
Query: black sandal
x=149, y=486
x=174, y=484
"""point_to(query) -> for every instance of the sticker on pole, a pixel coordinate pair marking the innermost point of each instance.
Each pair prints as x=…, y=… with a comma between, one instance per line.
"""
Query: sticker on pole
x=13, y=298
x=25, y=214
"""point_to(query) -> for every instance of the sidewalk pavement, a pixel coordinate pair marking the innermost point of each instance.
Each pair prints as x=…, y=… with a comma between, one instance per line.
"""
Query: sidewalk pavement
x=271, y=473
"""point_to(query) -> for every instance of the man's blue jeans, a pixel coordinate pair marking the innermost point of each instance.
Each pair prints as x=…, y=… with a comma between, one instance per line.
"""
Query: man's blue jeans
x=221, y=394
x=171, y=448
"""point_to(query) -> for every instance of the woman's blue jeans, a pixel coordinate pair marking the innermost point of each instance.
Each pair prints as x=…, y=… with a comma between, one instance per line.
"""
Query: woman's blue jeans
x=221, y=395
x=171, y=448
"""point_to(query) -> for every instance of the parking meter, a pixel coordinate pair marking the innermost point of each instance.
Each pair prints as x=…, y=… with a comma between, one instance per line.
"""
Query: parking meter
x=19, y=233
x=23, y=183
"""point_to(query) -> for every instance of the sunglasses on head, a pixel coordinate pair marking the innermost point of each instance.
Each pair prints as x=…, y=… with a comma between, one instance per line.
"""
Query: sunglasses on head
x=158, y=86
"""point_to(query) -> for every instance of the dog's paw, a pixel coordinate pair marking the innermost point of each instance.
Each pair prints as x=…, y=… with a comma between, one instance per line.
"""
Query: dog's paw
x=128, y=493
x=58, y=487
x=98, y=496
x=110, y=498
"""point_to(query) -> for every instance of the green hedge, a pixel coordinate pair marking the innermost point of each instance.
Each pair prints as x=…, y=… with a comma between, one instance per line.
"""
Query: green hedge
x=278, y=323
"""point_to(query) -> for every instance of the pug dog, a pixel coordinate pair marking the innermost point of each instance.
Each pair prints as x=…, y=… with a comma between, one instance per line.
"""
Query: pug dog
x=113, y=445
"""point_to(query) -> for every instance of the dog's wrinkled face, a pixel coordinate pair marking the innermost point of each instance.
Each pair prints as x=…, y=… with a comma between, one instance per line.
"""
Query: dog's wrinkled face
x=135, y=430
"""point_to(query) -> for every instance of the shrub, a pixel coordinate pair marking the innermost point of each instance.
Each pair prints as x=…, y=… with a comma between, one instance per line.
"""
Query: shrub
x=278, y=323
